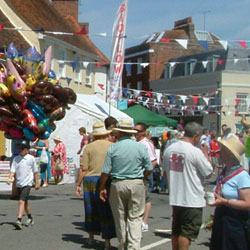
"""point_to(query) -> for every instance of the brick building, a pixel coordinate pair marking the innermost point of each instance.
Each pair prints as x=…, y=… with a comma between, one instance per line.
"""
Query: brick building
x=159, y=48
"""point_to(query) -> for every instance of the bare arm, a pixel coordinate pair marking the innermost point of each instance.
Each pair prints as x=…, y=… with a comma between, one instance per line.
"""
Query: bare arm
x=103, y=191
x=243, y=203
x=10, y=178
x=37, y=186
x=81, y=173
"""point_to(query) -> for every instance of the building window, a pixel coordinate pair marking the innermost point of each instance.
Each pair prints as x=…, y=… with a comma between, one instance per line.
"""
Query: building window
x=189, y=66
x=139, y=85
x=139, y=67
x=242, y=107
x=215, y=62
x=62, y=64
x=128, y=68
x=167, y=71
x=209, y=65
x=88, y=79
x=128, y=86
x=78, y=70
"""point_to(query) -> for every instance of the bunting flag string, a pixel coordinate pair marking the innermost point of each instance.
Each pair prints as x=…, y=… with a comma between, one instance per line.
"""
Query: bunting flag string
x=183, y=42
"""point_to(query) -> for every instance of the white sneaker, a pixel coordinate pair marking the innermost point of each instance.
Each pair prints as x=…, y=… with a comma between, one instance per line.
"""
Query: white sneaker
x=144, y=227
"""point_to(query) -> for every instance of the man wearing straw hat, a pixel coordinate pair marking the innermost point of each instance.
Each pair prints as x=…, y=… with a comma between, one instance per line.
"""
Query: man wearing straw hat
x=187, y=166
x=127, y=163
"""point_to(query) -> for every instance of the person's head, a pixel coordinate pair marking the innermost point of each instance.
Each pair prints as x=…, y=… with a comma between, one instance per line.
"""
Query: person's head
x=141, y=128
x=231, y=150
x=110, y=123
x=172, y=134
x=193, y=132
x=124, y=128
x=23, y=148
x=99, y=131
x=82, y=131
x=214, y=136
x=57, y=139
x=205, y=131
x=223, y=128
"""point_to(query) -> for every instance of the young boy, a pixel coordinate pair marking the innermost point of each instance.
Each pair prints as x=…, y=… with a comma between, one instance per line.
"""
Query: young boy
x=24, y=166
x=84, y=141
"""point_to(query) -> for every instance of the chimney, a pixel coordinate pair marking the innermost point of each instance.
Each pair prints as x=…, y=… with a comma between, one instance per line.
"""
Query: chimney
x=184, y=24
x=66, y=7
x=86, y=26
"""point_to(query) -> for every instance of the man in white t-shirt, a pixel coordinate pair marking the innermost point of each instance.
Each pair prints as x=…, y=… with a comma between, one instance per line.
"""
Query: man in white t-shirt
x=187, y=166
x=25, y=168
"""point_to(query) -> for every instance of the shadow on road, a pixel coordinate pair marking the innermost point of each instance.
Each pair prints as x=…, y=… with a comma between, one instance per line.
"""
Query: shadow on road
x=31, y=197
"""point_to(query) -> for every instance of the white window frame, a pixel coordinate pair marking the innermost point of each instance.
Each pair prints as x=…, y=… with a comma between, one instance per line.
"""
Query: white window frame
x=215, y=62
x=139, y=67
x=242, y=107
x=128, y=85
x=88, y=74
x=168, y=71
x=78, y=70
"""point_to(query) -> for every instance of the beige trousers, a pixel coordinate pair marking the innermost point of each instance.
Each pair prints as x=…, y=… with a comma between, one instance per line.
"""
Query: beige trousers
x=127, y=201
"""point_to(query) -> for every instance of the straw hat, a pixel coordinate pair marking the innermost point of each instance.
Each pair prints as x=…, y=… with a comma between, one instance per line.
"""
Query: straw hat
x=233, y=144
x=57, y=138
x=125, y=126
x=99, y=129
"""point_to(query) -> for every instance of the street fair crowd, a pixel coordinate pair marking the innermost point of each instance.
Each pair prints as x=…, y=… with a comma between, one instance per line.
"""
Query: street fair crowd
x=118, y=165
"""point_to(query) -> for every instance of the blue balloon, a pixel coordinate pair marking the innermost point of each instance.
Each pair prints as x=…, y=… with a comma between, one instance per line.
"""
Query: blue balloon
x=28, y=133
x=45, y=135
x=52, y=74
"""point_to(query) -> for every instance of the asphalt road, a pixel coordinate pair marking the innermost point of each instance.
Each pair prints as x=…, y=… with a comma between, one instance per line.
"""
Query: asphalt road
x=59, y=217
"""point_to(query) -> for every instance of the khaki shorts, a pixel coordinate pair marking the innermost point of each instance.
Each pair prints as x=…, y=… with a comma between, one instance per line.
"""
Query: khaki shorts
x=147, y=193
x=186, y=222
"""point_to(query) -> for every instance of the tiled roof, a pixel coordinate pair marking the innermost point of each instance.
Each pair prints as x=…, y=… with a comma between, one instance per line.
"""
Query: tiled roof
x=41, y=14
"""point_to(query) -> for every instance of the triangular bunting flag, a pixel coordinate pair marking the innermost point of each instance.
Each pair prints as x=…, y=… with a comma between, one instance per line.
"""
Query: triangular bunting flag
x=149, y=94
x=103, y=34
x=206, y=100
x=165, y=40
x=236, y=60
x=183, y=98
x=125, y=92
x=195, y=99
x=85, y=64
x=68, y=79
x=242, y=43
x=1, y=27
x=220, y=61
x=227, y=100
x=101, y=86
x=204, y=63
x=144, y=65
x=172, y=64
x=182, y=42
x=172, y=98
x=73, y=64
x=83, y=31
x=158, y=96
x=99, y=64
x=224, y=44
x=237, y=100
x=136, y=93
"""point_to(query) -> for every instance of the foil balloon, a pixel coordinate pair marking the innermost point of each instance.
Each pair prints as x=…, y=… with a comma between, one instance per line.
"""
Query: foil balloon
x=36, y=110
x=4, y=90
x=30, y=121
x=15, y=83
x=47, y=63
x=3, y=73
x=45, y=135
x=32, y=61
x=5, y=112
x=28, y=133
x=16, y=133
x=30, y=81
x=11, y=52
x=42, y=87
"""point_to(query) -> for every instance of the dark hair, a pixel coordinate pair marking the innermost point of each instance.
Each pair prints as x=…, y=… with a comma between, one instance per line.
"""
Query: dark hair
x=83, y=130
x=143, y=125
x=110, y=122
x=192, y=128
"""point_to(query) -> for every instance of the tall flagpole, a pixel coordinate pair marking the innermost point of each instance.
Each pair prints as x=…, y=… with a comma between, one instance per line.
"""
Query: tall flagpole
x=117, y=54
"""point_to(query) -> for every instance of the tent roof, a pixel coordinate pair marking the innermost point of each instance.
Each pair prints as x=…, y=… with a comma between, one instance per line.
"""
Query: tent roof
x=141, y=114
x=98, y=108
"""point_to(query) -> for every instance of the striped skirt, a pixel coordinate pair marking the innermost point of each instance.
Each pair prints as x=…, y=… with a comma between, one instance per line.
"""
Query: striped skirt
x=98, y=215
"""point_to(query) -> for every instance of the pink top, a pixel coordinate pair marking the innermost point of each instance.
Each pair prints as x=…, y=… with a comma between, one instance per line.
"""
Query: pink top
x=150, y=148
x=84, y=138
x=60, y=148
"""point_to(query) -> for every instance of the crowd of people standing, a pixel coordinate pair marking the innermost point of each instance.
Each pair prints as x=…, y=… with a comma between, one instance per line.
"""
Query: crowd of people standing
x=117, y=172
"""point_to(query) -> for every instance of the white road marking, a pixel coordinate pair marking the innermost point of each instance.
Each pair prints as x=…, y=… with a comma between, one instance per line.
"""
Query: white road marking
x=155, y=244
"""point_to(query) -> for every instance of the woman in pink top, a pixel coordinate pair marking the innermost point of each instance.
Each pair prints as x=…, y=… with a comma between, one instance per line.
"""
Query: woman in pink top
x=59, y=152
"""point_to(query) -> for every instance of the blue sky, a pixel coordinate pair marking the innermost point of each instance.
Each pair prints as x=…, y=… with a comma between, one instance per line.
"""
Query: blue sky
x=228, y=19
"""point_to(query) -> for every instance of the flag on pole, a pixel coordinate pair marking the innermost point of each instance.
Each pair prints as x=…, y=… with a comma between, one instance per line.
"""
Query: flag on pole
x=118, y=51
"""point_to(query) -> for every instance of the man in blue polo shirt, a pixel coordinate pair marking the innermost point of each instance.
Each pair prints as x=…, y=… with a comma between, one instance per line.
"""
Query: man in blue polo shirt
x=127, y=163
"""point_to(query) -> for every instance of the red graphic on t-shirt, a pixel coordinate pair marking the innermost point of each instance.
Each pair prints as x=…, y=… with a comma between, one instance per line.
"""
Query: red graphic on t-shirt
x=177, y=162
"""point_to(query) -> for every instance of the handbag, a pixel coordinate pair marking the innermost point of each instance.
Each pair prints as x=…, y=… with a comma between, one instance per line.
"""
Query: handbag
x=44, y=157
x=59, y=165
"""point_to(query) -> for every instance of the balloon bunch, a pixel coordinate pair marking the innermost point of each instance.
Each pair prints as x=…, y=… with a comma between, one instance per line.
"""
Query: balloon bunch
x=31, y=98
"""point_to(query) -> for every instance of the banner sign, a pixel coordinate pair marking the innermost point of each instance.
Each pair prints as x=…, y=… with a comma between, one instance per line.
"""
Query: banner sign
x=117, y=53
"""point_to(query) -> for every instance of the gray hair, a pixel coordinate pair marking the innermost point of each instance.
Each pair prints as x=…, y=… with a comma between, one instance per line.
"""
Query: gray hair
x=192, y=128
